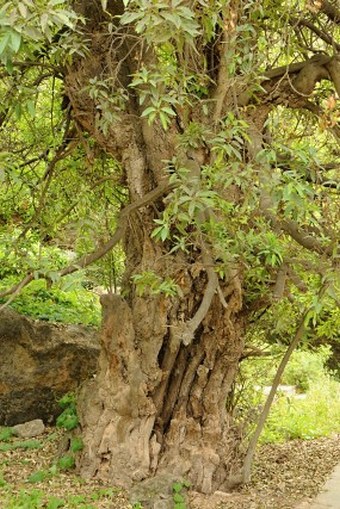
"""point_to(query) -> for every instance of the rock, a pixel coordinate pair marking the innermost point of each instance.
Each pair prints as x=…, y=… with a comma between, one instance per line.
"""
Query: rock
x=39, y=363
x=29, y=429
x=154, y=492
x=164, y=504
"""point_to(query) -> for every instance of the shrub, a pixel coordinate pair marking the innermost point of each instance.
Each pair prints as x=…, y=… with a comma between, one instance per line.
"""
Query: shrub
x=317, y=415
x=306, y=366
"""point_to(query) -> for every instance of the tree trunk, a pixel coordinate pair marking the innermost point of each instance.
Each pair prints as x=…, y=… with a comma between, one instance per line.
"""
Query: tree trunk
x=156, y=405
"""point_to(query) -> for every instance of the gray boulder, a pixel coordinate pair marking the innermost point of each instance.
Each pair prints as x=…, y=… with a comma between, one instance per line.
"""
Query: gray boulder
x=29, y=429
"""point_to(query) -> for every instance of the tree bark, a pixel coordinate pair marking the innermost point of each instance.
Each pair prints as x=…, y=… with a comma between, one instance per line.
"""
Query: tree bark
x=157, y=407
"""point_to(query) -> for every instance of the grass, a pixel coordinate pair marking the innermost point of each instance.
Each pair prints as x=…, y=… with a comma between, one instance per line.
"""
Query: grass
x=37, y=499
x=25, y=444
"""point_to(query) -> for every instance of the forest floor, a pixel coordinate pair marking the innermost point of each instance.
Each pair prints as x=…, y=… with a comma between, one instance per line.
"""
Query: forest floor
x=285, y=475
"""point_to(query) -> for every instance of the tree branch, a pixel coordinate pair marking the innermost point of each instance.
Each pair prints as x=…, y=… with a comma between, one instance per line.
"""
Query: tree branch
x=320, y=33
x=296, y=67
x=187, y=330
x=264, y=414
x=87, y=259
x=300, y=331
x=331, y=11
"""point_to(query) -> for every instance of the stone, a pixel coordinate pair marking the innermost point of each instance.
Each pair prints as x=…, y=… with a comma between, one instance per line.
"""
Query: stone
x=39, y=363
x=164, y=504
x=29, y=429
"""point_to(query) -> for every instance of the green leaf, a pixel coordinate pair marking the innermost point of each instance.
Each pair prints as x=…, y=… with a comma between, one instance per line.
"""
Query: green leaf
x=4, y=42
x=38, y=476
x=31, y=108
x=168, y=110
x=53, y=3
x=55, y=502
x=23, y=10
x=148, y=111
x=44, y=18
x=164, y=120
x=177, y=497
x=177, y=487
x=15, y=41
x=130, y=17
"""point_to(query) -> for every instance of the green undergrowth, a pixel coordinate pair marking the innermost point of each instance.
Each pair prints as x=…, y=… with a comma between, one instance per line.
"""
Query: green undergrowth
x=23, y=494
x=313, y=412
x=316, y=415
x=73, y=305
x=22, y=444
x=38, y=499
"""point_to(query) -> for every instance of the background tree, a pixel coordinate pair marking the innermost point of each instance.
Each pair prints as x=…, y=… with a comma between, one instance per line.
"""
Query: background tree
x=203, y=137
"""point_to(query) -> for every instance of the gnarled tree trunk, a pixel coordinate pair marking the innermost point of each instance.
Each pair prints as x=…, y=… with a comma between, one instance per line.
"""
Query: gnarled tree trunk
x=157, y=406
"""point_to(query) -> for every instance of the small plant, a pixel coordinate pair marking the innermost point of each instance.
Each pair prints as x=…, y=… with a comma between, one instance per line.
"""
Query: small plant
x=32, y=499
x=3, y=482
x=104, y=493
x=177, y=494
x=5, y=434
x=66, y=462
x=55, y=502
x=27, y=444
x=38, y=476
x=68, y=419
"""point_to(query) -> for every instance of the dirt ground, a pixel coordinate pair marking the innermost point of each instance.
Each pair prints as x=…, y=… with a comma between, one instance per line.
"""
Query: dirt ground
x=284, y=476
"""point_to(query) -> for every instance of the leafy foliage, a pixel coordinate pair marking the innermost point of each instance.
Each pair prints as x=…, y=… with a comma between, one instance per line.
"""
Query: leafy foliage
x=311, y=413
x=315, y=416
x=68, y=419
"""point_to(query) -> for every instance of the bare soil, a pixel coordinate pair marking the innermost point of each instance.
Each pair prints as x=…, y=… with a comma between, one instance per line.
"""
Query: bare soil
x=285, y=475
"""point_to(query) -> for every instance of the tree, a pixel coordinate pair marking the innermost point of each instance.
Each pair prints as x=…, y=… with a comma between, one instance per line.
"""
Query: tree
x=212, y=129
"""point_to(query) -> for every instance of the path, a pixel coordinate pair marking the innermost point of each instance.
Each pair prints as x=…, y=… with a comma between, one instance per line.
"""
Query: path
x=329, y=498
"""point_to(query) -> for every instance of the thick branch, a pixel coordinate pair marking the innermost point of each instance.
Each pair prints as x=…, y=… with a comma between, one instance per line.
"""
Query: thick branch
x=296, y=67
x=333, y=67
x=187, y=331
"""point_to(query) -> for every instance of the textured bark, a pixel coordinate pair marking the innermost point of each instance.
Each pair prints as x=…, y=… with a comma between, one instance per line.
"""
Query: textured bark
x=156, y=405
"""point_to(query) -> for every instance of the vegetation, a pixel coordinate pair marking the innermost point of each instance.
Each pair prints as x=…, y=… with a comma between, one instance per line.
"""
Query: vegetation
x=68, y=419
x=184, y=156
x=314, y=416
x=310, y=412
x=35, y=499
